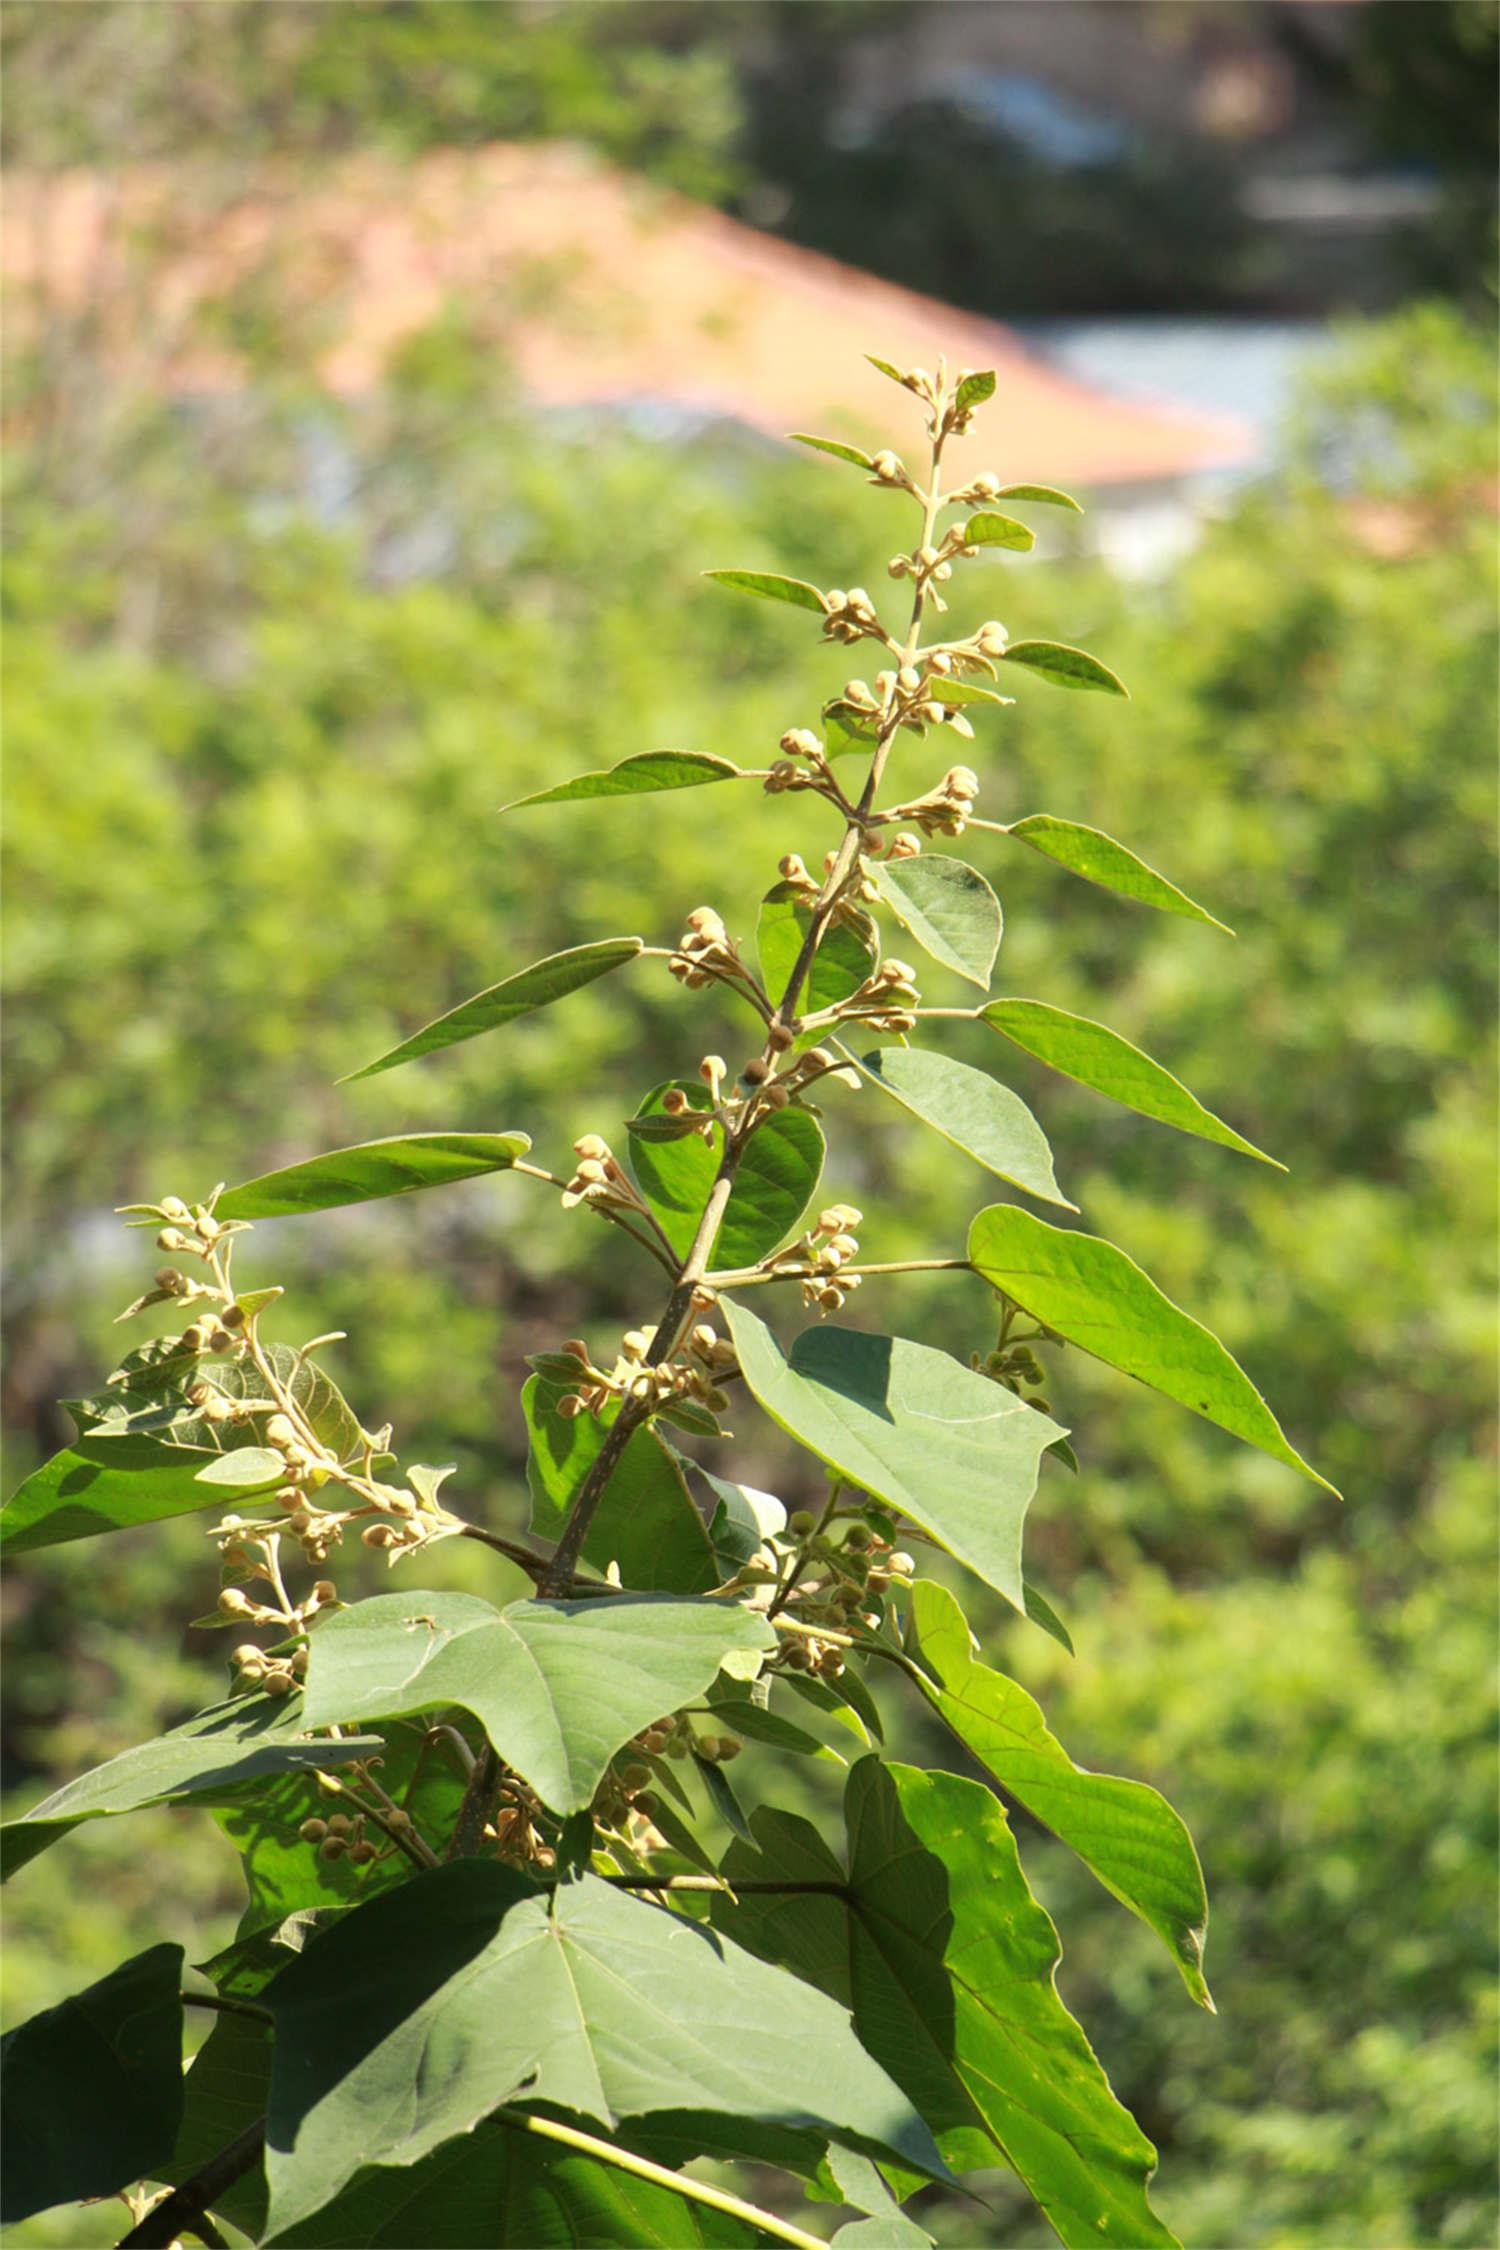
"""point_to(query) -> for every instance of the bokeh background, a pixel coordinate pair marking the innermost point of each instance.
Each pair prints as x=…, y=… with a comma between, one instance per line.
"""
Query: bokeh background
x=381, y=378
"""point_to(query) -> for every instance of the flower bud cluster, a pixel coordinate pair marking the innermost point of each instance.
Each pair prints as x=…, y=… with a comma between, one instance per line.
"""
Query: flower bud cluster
x=850, y=616
x=705, y=946
x=887, y=1000
x=691, y=1373
x=273, y=1675
x=945, y=810
x=339, y=1837
x=822, y=1254
x=801, y=750
x=599, y=1178
x=1017, y=1367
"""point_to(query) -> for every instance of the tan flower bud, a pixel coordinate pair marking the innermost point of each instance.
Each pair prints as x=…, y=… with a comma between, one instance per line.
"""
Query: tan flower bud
x=313, y=1831
x=888, y=468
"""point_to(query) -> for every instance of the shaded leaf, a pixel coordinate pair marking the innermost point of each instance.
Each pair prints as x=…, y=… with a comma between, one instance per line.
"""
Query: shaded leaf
x=778, y=1175
x=835, y=446
x=396, y=1166
x=1065, y=667
x=558, y=1687
x=1099, y=859
x=646, y=1521
x=975, y=1112
x=1127, y=1833
x=105, y=1484
x=1098, y=1057
x=949, y=909
x=949, y=1963
x=773, y=587
x=1098, y=1298
x=520, y=995
x=646, y=772
x=956, y=1453
x=93, y=2087
x=588, y=2000
x=215, y=1752
x=225, y=2092
x=990, y=530
x=843, y=961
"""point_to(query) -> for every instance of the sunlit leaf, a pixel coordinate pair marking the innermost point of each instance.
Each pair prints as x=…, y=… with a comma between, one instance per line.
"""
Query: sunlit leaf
x=990, y=530
x=769, y=584
x=1065, y=667
x=972, y=1110
x=646, y=772
x=836, y=447
x=645, y=1522
x=396, y=1166
x=843, y=961
x=106, y=1484
x=1099, y=859
x=1128, y=1834
x=1098, y=1298
x=536, y=987
x=974, y=389
x=908, y=1425
x=949, y=909
x=776, y=1180
x=1046, y=492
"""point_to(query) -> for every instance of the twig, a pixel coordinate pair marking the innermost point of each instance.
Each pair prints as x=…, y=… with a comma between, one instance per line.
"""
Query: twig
x=184, y=2209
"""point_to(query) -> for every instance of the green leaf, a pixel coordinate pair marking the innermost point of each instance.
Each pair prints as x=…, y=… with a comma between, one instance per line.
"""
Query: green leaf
x=1097, y=1057
x=1098, y=1298
x=588, y=2000
x=646, y=772
x=771, y=586
x=1128, y=1834
x=1047, y=492
x=646, y=1521
x=956, y=1453
x=208, y=1756
x=558, y=1687
x=948, y=1963
x=836, y=447
x=777, y=1178
x=248, y=1468
x=1099, y=859
x=1065, y=667
x=396, y=1166
x=884, y=367
x=225, y=2091
x=956, y=692
x=536, y=987
x=744, y=1518
x=105, y=1484
x=503, y=2184
x=974, y=390
x=990, y=530
x=949, y=909
x=890, y=2230
x=93, y=2087
x=972, y=1110
x=843, y=961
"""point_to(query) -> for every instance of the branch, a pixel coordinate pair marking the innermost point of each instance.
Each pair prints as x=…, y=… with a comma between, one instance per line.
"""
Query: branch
x=222, y=2005
x=185, y=2208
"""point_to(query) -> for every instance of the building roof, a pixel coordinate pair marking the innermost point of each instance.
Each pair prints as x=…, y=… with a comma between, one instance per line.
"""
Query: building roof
x=599, y=288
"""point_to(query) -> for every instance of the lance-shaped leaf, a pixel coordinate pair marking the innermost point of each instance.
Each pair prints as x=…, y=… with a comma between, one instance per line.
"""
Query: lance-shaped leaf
x=949, y=909
x=1098, y=1298
x=505, y=2184
x=93, y=2087
x=109, y=1484
x=587, y=2000
x=1099, y=1057
x=908, y=1425
x=948, y=1964
x=520, y=995
x=1044, y=492
x=778, y=1175
x=840, y=966
x=771, y=586
x=1099, y=859
x=645, y=773
x=204, y=1759
x=1065, y=667
x=990, y=530
x=1126, y=1832
x=972, y=1110
x=396, y=1166
x=558, y=1687
x=834, y=446
x=645, y=1523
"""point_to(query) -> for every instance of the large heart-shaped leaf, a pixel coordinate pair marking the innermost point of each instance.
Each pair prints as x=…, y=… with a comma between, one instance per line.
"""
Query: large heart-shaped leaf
x=947, y=1961
x=1126, y=1832
x=1099, y=859
x=558, y=1687
x=536, y=987
x=1098, y=1298
x=843, y=961
x=770, y=586
x=975, y=1112
x=645, y=773
x=779, y=1170
x=396, y=1166
x=646, y=1522
x=208, y=1756
x=1064, y=666
x=1099, y=1057
x=93, y=2087
x=949, y=909
x=908, y=1425
x=587, y=2000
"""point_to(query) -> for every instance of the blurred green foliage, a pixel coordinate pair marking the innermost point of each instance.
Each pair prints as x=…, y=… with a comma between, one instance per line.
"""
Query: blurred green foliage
x=273, y=665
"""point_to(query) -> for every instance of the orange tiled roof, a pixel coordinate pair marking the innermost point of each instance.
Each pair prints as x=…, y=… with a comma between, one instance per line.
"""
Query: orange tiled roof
x=598, y=287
